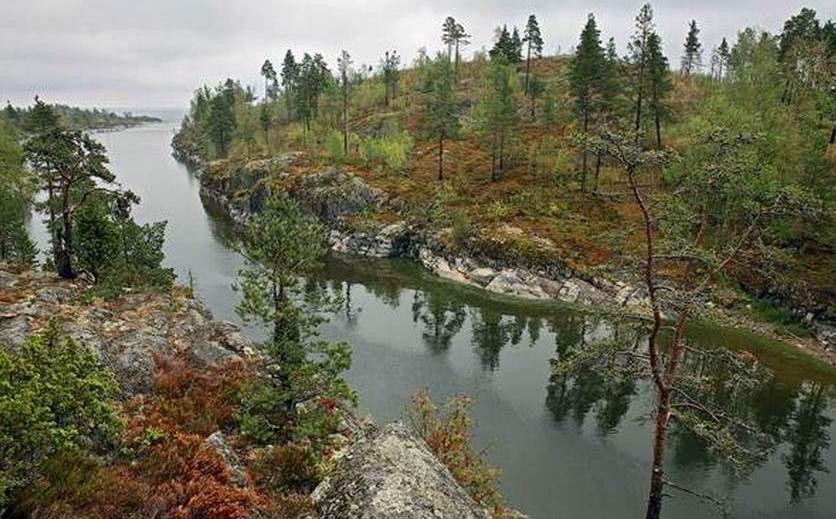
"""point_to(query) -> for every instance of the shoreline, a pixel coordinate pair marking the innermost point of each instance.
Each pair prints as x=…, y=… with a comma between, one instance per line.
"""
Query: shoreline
x=492, y=276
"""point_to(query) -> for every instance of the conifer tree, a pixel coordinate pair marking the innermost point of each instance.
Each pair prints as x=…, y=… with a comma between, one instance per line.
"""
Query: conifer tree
x=723, y=59
x=659, y=82
x=290, y=76
x=454, y=36
x=534, y=42
x=639, y=59
x=586, y=76
x=498, y=112
x=344, y=66
x=269, y=74
x=442, y=111
x=313, y=78
x=692, y=57
x=389, y=67
x=536, y=87
x=515, y=55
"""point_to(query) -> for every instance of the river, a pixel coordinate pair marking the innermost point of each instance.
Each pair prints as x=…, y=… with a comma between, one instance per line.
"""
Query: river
x=568, y=448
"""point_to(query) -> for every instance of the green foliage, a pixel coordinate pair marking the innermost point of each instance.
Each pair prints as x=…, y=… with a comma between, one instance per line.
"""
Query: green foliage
x=54, y=396
x=498, y=210
x=497, y=112
x=391, y=152
x=447, y=433
x=462, y=228
x=282, y=243
x=118, y=252
x=16, y=188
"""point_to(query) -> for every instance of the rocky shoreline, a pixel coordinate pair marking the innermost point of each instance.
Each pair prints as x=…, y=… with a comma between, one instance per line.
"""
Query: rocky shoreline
x=381, y=473
x=335, y=196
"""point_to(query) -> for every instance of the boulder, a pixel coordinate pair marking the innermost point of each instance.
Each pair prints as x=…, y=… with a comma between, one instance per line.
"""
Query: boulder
x=132, y=358
x=393, y=475
x=482, y=275
x=515, y=282
x=217, y=442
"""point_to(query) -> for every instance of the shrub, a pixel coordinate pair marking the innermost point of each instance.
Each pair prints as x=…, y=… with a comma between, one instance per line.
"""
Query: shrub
x=391, y=152
x=334, y=149
x=461, y=227
x=498, y=210
x=54, y=396
x=447, y=433
x=291, y=467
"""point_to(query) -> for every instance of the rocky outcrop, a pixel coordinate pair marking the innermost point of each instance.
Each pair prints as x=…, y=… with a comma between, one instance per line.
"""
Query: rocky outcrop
x=217, y=442
x=127, y=334
x=393, y=475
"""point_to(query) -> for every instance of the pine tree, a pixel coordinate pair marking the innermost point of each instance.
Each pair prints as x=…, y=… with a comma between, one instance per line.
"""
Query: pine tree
x=516, y=49
x=639, y=59
x=269, y=74
x=659, y=83
x=313, y=78
x=264, y=120
x=534, y=42
x=448, y=35
x=389, y=67
x=73, y=166
x=723, y=59
x=586, y=74
x=442, y=110
x=290, y=76
x=536, y=87
x=454, y=36
x=502, y=47
x=498, y=112
x=344, y=66
x=692, y=57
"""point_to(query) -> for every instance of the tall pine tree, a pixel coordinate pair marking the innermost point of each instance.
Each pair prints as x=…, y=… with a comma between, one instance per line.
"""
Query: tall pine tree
x=586, y=74
x=692, y=55
x=534, y=43
x=639, y=60
x=442, y=110
x=659, y=83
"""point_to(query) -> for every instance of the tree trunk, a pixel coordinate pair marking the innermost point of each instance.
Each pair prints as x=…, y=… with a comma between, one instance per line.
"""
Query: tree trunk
x=585, y=152
x=441, y=156
x=833, y=135
x=456, y=69
x=597, y=169
x=639, y=98
x=345, y=117
x=658, y=130
x=657, y=475
x=502, y=153
x=527, y=66
x=533, y=116
x=65, y=252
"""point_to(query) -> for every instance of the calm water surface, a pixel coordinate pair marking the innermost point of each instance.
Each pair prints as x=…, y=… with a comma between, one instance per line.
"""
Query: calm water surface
x=568, y=448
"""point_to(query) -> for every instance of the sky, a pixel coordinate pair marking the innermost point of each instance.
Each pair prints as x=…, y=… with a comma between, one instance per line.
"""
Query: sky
x=154, y=53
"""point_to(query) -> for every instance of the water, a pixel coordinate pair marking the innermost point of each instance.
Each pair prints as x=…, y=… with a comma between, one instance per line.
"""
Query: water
x=574, y=448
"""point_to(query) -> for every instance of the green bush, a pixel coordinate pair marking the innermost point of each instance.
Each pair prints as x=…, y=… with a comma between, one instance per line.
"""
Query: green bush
x=461, y=227
x=391, y=152
x=54, y=396
x=498, y=210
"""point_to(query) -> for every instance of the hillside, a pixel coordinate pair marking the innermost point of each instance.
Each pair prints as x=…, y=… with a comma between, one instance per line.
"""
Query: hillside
x=541, y=209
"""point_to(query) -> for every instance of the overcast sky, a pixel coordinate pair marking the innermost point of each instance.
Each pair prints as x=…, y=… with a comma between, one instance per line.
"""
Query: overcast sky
x=153, y=53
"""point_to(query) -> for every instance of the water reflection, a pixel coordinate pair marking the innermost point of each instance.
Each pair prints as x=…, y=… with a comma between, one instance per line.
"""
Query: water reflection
x=793, y=416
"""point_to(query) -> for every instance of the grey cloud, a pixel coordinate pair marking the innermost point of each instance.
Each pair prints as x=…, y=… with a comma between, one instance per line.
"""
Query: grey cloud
x=155, y=52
